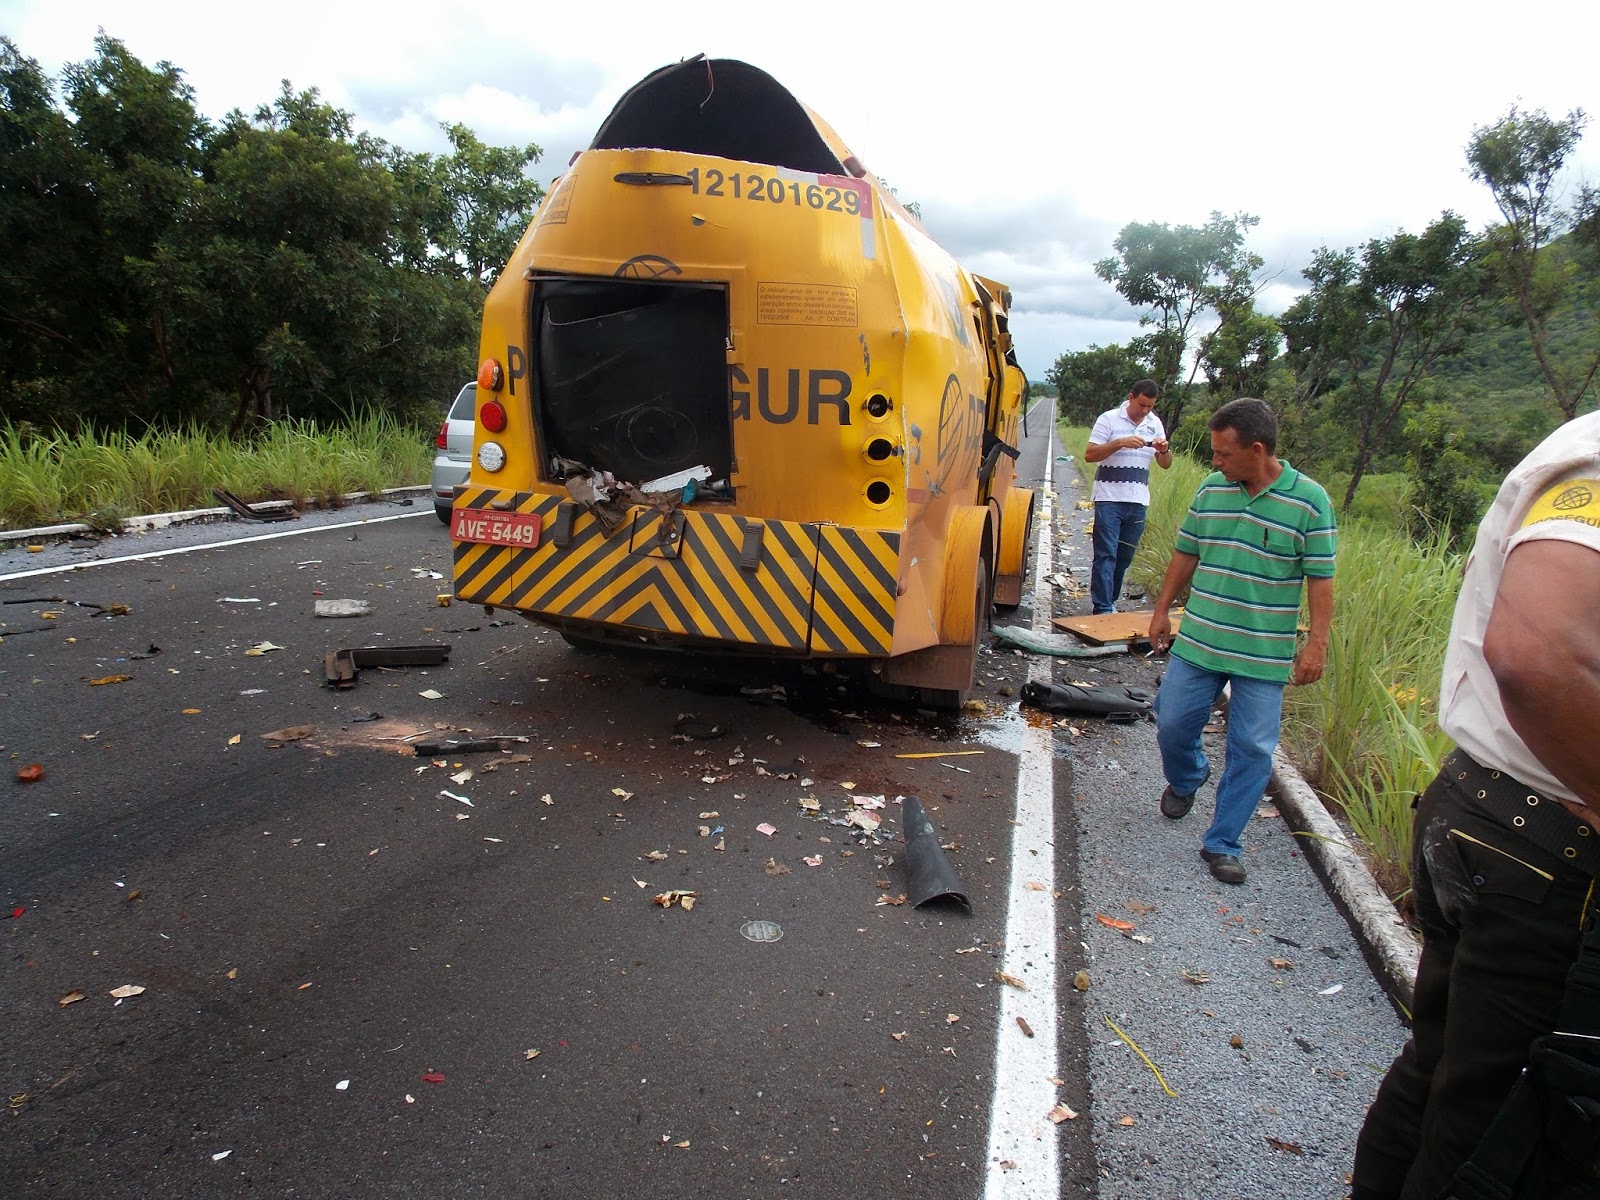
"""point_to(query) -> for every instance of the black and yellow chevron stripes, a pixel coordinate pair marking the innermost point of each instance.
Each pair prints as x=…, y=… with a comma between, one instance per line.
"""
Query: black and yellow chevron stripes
x=818, y=588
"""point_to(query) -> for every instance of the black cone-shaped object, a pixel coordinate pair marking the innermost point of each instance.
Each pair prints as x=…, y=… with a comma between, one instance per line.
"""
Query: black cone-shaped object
x=928, y=872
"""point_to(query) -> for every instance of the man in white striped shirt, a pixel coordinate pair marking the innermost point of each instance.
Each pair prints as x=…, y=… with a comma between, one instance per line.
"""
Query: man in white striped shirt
x=1121, y=444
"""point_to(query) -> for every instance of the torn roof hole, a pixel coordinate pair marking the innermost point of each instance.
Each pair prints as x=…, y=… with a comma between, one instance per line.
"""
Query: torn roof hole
x=721, y=108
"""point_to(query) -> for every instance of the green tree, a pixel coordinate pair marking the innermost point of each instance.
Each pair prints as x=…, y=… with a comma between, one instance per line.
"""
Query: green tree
x=1520, y=159
x=1238, y=354
x=1180, y=277
x=1374, y=322
x=1090, y=381
x=491, y=199
x=84, y=199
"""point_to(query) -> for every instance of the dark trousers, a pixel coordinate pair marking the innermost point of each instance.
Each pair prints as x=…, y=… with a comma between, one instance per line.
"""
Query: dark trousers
x=1501, y=920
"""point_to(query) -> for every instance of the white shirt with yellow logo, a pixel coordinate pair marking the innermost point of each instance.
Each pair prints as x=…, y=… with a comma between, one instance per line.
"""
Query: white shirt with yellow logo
x=1554, y=493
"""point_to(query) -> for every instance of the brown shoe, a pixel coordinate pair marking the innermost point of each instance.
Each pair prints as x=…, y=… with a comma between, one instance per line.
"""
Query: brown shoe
x=1225, y=868
x=1175, y=807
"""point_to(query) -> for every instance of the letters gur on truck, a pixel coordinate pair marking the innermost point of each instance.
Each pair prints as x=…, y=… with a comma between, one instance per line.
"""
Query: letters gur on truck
x=732, y=398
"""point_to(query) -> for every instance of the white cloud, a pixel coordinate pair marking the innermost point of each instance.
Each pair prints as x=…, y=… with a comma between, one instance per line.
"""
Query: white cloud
x=1027, y=139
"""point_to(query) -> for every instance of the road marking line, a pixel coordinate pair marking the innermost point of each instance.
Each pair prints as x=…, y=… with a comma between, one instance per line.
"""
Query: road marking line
x=262, y=537
x=1020, y=1133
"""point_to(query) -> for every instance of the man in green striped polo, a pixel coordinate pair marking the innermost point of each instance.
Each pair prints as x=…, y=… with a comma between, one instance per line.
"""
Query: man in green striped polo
x=1256, y=531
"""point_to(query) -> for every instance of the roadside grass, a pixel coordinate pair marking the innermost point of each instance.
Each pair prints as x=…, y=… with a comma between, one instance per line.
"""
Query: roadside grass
x=1366, y=735
x=100, y=477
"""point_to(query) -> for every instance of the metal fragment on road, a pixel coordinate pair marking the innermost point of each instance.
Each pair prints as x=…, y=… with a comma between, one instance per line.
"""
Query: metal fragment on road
x=761, y=931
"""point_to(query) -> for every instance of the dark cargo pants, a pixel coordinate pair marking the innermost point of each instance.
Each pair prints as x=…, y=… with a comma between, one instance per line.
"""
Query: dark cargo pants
x=1501, y=920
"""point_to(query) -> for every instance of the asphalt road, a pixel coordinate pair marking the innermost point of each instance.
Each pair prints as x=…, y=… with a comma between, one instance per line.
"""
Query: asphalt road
x=347, y=972
x=368, y=974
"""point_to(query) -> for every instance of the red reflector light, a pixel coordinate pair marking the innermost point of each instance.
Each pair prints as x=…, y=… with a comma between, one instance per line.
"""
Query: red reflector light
x=442, y=441
x=492, y=416
x=490, y=376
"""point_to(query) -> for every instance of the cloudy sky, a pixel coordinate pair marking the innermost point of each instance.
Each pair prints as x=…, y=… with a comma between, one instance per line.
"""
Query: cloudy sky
x=1028, y=138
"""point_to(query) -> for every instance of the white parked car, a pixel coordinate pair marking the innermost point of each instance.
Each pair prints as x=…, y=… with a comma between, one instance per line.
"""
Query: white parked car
x=454, y=459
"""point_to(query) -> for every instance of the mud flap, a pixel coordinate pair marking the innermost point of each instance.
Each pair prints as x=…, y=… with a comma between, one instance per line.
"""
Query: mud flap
x=929, y=875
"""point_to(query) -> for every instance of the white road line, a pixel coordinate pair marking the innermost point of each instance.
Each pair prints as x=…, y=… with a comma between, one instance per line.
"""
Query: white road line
x=261, y=537
x=1024, y=1158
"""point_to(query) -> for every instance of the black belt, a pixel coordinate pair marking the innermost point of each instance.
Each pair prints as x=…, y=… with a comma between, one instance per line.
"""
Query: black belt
x=1538, y=818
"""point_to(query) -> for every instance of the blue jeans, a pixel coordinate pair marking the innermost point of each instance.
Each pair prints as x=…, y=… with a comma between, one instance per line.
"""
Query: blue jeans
x=1118, y=525
x=1255, y=711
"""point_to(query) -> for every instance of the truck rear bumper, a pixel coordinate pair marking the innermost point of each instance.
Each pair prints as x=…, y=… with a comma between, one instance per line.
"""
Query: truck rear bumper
x=711, y=577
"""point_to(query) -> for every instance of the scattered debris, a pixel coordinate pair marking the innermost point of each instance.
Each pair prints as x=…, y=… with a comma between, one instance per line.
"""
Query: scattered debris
x=1081, y=981
x=1145, y=1057
x=432, y=746
x=1286, y=1147
x=261, y=648
x=689, y=727
x=940, y=754
x=1027, y=1030
x=31, y=773
x=1052, y=644
x=1115, y=923
x=1062, y=1113
x=766, y=828
x=340, y=666
x=1012, y=981
x=127, y=990
x=106, y=679
x=929, y=875
x=342, y=608
x=290, y=733
x=1333, y=990
x=1198, y=978
x=70, y=998
x=774, y=867
x=271, y=510
x=677, y=896
x=1120, y=705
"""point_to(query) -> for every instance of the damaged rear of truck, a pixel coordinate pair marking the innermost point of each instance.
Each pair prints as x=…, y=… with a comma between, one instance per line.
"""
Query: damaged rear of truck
x=732, y=398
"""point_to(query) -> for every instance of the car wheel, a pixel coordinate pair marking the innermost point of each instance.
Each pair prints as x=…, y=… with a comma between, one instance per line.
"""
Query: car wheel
x=442, y=511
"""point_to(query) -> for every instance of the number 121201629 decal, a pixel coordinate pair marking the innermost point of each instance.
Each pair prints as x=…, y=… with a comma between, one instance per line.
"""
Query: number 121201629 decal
x=830, y=193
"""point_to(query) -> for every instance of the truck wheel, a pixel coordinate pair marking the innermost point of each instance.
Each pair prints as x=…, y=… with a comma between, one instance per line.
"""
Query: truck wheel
x=1027, y=540
x=951, y=699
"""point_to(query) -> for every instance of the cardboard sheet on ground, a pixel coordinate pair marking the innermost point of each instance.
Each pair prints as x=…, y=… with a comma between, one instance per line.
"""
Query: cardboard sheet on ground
x=1114, y=627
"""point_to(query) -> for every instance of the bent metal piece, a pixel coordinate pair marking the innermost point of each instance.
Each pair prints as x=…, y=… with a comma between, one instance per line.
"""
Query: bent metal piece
x=275, y=513
x=929, y=875
x=340, y=666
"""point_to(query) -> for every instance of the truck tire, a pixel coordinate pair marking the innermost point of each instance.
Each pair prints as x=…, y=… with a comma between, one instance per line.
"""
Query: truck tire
x=952, y=699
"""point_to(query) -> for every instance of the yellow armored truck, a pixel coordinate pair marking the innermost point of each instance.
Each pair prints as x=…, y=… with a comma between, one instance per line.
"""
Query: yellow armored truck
x=732, y=398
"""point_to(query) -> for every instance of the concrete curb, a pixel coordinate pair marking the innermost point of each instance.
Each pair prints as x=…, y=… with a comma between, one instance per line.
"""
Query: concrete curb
x=190, y=516
x=1389, y=942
